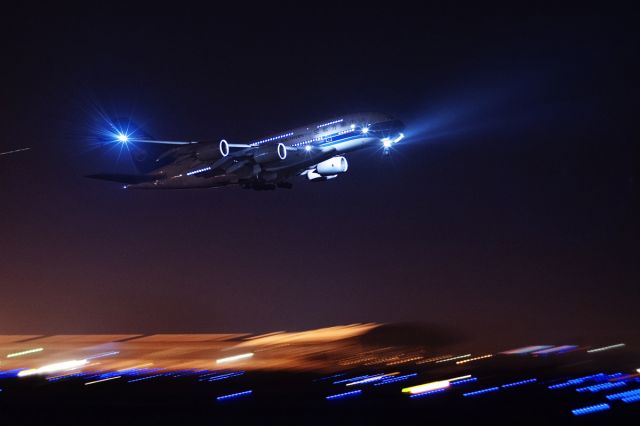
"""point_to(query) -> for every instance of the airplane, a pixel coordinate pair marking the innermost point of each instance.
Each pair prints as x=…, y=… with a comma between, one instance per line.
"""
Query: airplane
x=315, y=151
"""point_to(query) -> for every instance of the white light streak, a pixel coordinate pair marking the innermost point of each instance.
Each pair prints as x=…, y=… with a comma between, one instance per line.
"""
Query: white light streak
x=234, y=358
x=54, y=368
x=102, y=380
x=606, y=348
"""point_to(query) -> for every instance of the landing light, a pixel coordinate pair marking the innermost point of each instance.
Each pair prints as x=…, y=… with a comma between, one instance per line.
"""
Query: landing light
x=365, y=130
x=386, y=142
x=307, y=148
x=123, y=138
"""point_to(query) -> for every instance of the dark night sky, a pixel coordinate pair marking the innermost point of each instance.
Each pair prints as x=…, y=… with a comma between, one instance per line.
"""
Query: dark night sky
x=510, y=213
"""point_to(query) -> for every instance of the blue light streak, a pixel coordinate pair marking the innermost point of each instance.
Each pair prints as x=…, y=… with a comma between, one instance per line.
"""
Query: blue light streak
x=481, y=391
x=520, y=383
x=621, y=395
x=145, y=378
x=579, y=380
x=396, y=379
x=224, y=376
x=344, y=395
x=602, y=386
x=353, y=379
x=630, y=399
x=234, y=395
x=418, y=395
x=590, y=409
x=460, y=382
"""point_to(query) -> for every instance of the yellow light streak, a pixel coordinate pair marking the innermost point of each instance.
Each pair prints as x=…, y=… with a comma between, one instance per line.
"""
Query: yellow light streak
x=27, y=352
x=454, y=358
x=426, y=387
x=464, y=361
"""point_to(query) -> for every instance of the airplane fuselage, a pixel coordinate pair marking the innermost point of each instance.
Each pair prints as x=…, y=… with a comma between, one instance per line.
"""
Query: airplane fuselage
x=314, y=150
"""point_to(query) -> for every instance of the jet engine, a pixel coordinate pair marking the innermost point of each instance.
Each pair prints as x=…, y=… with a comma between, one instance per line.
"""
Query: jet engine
x=271, y=153
x=328, y=169
x=212, y=152
x=332, y=166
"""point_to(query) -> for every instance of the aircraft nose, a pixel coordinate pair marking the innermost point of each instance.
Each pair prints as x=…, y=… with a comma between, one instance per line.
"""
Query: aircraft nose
x=387, y=128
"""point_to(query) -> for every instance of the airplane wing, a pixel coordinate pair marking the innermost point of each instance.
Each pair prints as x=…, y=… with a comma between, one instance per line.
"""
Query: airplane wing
x=125, y=178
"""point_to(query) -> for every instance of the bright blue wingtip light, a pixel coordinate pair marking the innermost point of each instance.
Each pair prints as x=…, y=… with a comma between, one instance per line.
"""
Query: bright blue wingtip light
x=122, y=138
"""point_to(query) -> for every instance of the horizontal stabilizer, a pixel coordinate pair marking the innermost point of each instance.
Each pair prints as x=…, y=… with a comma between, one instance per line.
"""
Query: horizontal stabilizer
x=123, y=178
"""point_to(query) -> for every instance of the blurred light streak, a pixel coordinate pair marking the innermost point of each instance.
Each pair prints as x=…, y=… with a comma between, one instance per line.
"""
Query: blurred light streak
x=556, y=349
x=481, y=391
x=102, y=380
x=405, y=360
x=11, y=373
x=65, y=376
x=344, y=395
x=464, y=361
x=436, y=358
x=577, y=381
x=27, y=352
x=234, y=395
x=606, y=348
x=396, y=379
x=460, y=382
x=355, y=378
x=145, y=378
x=135, y=367
x=54, y=368
x=590, y=409
x=439, y=384
x=223, y=376
x=14, y=151
x=621, y=395
x=102, y=355
x=372, y=379
x=453, y=358
x=418, y=395
x=634, y=398
x=520, y=383
x=526, y=350
x=329, y=377
x=234, y=358
x=602, y=386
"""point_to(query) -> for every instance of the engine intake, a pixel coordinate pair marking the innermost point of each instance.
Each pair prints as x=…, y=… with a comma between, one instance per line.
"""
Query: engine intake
x=211, y=152
x=270, y=153
x=332, y=166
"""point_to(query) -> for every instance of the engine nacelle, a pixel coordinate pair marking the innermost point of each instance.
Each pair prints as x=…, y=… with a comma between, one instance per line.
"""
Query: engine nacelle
x=332, y=166
x=271, y=153
x=212, y=152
